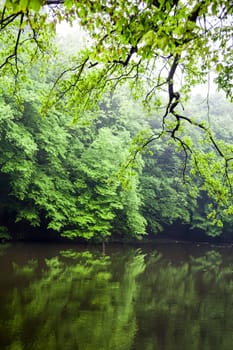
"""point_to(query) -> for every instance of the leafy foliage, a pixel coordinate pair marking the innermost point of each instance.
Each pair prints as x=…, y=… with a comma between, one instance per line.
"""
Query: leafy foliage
x=61, y=175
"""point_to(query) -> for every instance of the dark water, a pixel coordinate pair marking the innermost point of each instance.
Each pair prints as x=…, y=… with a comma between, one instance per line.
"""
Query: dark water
x=162, y=297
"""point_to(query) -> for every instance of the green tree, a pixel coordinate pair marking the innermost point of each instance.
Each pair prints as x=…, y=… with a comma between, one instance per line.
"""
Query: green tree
x=151, y=44
x=63, y=176
x=168, y=197
x=147, y=42
x=100, y=196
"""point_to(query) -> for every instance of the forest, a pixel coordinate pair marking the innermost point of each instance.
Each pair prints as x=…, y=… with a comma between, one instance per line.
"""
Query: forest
x=74, y=177
x=97, y=145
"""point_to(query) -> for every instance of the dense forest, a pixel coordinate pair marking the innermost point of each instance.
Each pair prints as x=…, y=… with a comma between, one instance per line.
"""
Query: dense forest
x=92, y=145
x=79, y=179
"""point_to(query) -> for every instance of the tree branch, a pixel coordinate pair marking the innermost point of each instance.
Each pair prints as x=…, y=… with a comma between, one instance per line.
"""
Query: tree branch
x=15, y=51
x=124, y=63
x=4, y=22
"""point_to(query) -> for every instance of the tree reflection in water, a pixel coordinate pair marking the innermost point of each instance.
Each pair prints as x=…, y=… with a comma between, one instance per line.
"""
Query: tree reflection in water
x=77, y=303
x=189, y=306
x=130, y=299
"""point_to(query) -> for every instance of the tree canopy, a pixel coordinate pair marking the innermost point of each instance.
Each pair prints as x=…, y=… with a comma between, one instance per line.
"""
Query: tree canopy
x=160, y=49
x=155, y=45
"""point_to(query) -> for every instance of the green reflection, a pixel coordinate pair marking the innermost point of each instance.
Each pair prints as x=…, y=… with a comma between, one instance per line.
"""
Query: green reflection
x=189, y=306
x=128, y=300
x=76, y=303
x=3, y=248
x=27, y=271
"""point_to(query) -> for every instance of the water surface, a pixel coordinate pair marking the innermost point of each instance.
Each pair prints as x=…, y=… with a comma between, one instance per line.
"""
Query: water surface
x=160, y=297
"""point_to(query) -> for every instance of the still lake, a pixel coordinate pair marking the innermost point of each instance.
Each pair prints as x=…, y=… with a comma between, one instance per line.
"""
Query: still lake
x=164, y=296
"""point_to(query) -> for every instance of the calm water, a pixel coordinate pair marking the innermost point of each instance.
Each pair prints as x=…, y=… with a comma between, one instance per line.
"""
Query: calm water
x=162, y=297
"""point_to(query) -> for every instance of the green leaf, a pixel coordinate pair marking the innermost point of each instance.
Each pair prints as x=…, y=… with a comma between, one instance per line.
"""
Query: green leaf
x=35, y=5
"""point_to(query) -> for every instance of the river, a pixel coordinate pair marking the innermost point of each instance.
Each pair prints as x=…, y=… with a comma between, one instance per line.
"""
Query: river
x=162, y=296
